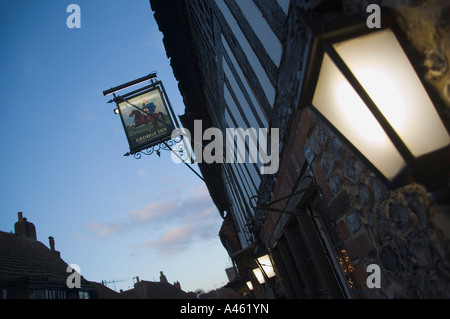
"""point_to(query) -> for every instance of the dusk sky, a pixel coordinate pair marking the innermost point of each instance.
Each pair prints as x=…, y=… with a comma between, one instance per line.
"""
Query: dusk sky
x=62, y=161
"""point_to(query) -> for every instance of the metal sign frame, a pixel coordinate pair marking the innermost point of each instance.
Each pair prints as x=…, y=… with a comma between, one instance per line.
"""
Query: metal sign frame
x=146, y=118
x=167, y=123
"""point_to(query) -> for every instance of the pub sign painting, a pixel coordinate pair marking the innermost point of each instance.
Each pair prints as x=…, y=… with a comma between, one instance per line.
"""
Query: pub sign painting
x=146, y=120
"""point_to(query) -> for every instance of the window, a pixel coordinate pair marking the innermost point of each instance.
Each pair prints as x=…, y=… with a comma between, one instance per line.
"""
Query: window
x=264, y=80
x=251, y=101
x=47, y=294
x=284, y=4
x=306, y=252
x=84, y=295
x=262, y=29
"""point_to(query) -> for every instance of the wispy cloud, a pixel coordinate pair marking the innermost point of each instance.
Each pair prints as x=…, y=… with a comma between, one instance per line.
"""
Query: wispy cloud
x=172, y=241
x=173, y=224
x=142, y=173
x=152, y=212
x=154, y=41
x=84, y=111
x=78, y=237
x=30, y=66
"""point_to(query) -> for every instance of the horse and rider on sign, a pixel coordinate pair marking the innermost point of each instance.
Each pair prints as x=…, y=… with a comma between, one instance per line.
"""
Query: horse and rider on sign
x=148, y=116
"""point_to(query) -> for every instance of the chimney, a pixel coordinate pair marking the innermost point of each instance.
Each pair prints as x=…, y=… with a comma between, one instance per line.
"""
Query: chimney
x=24, y=228
x=162, y=278
x=51, y=241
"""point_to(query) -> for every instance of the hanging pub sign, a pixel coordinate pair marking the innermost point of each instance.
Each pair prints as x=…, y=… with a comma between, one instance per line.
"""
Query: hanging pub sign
x=145, y=118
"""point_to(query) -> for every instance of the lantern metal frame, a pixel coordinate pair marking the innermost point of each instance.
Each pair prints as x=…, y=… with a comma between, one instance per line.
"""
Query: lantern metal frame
x=432, y=169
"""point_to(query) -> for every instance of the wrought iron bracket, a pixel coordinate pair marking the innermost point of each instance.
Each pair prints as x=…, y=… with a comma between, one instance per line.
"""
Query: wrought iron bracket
x=172, y=145
x=267, y=207
x=175, y=146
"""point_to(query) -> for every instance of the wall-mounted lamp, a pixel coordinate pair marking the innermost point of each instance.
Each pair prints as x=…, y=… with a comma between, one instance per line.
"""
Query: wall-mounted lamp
x=265, y=269
x=362, y=82
x=259, y=275
x=266, y=264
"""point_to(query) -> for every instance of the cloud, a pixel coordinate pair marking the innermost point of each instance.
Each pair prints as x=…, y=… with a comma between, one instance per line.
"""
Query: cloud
x=154, y=211
x=175, y=234
x=154, y=41
x=168, y=179
x=142, y=172
x=176, y=239
x=78, y=237
x=30, y=66
x=83, y=110
x=172, y=225
x=105, y=230
x=86, y=116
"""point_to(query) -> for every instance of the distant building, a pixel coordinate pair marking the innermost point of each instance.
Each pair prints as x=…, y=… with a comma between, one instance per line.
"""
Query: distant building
x=177, y=284
x=242, y=64
x=156, y=290
x=31, y=270
x=231, y=273
x=219, y=293
x=162, y=278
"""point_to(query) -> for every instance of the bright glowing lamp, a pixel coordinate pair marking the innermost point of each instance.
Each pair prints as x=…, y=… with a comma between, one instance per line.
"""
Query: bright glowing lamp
x=266, y=265
x=361, y=81
x=259, y=275
x=249, y=285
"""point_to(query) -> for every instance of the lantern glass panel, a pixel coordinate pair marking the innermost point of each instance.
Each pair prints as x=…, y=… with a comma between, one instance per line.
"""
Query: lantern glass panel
x=267, y=266
x=339, y=103
x=384, y=70
x=259, y=275
x=380, y=65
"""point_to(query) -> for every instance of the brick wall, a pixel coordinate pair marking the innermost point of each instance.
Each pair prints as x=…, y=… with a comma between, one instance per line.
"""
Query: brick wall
x=228, y=235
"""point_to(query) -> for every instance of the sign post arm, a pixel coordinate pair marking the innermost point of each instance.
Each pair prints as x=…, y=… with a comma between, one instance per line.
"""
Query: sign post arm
x=199, y=176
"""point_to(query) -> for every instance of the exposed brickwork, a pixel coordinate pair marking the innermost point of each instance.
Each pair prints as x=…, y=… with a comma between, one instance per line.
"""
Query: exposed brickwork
x=228, y=235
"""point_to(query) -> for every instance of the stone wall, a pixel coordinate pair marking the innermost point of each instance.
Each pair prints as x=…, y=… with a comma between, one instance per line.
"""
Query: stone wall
x=427, y=26
x=403, y=231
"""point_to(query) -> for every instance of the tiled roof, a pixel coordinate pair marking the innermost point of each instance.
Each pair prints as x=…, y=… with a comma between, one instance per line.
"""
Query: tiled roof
x=156, y=290
x=104, y=292
x=21, y=257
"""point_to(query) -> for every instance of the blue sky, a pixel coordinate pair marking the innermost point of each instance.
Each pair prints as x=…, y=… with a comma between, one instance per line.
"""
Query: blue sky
x=62, y=147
